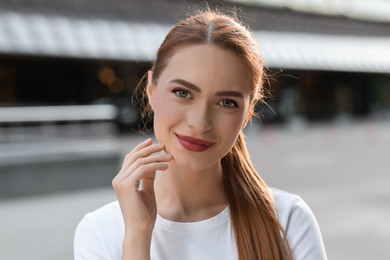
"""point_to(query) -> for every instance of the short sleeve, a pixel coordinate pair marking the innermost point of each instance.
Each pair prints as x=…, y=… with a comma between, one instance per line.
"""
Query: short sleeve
x=88, y=243
x=304, y=234
x=301, y=227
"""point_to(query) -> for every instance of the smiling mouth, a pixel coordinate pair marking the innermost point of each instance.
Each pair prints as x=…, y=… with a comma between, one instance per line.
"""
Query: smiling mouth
x=194, y=144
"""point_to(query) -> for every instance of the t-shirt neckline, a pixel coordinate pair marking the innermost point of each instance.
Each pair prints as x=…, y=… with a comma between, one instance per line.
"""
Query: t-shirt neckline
x=201, y=225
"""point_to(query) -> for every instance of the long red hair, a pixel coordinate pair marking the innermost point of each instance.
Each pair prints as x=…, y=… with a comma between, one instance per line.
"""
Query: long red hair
x=257, y=231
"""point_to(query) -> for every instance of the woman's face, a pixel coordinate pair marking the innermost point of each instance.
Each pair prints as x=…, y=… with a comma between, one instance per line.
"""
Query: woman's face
x=200, y=103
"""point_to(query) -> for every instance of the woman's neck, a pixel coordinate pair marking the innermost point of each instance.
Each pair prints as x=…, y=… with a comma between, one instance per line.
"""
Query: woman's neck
x=186, y=196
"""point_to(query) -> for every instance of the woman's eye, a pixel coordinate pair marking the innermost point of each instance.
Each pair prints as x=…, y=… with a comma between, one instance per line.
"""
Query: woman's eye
x=181, y=93
x=228, y=103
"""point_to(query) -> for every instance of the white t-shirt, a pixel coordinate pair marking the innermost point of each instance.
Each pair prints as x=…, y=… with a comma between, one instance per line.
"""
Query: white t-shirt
x=100, y=233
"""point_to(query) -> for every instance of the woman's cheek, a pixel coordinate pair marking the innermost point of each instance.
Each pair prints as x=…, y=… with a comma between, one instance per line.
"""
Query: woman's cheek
x=167, y=110
x=235, y=121
x=166, y=115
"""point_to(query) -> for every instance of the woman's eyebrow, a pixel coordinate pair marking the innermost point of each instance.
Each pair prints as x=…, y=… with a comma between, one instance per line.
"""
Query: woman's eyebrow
x=224, y=93
x=187, y=84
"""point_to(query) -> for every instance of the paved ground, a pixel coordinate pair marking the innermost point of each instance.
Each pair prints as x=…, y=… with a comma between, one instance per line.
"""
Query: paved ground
x=341, y=170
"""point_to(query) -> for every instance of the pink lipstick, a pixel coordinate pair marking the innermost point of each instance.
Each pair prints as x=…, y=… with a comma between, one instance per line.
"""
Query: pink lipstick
x=194, y=144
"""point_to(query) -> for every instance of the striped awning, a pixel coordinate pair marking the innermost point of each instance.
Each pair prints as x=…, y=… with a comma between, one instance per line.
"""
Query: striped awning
x=94, y=38
x=53, y=35
x=325, y=52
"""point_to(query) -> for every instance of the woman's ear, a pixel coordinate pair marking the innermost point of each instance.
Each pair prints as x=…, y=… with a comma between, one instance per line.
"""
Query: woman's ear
x=150, y=88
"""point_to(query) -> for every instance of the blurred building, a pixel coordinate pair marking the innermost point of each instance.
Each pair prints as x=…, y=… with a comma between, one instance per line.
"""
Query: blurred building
x=92, y=52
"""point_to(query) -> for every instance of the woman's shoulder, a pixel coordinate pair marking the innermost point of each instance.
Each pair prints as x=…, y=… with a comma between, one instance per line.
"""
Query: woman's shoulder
x=110, y=209
x=289, y=205
x=101, y=221
x=300, y=225
x=99, y=233
x=106, y=215
x=285, y=200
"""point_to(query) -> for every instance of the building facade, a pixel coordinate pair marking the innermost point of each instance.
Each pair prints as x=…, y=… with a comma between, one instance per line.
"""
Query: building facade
x=80, y=52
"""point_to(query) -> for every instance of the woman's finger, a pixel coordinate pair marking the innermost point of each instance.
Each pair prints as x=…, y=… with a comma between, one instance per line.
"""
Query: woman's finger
x=143, y=144
x=143, y=151
x=154, y=158
x=146, y=171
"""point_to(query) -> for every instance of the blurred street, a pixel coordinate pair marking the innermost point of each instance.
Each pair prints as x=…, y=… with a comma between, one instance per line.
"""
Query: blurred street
x=340, y=169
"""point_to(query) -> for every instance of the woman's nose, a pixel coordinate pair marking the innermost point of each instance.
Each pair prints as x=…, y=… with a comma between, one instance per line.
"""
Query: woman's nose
x=199, y=118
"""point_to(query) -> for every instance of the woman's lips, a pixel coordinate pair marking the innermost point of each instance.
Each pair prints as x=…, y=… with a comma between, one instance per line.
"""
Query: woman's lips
x=194, y=144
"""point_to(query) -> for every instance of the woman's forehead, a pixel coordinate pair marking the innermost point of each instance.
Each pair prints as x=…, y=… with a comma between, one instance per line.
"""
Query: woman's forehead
x=208, y=65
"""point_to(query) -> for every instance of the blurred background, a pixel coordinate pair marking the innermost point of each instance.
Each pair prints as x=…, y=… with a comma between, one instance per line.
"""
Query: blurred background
x=68, y=69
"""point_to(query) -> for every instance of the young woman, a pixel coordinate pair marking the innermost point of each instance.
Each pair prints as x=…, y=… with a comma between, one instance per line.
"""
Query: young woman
x=194, y=193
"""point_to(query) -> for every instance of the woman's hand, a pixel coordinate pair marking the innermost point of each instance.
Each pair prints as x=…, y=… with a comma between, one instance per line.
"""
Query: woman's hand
x=133, y=186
